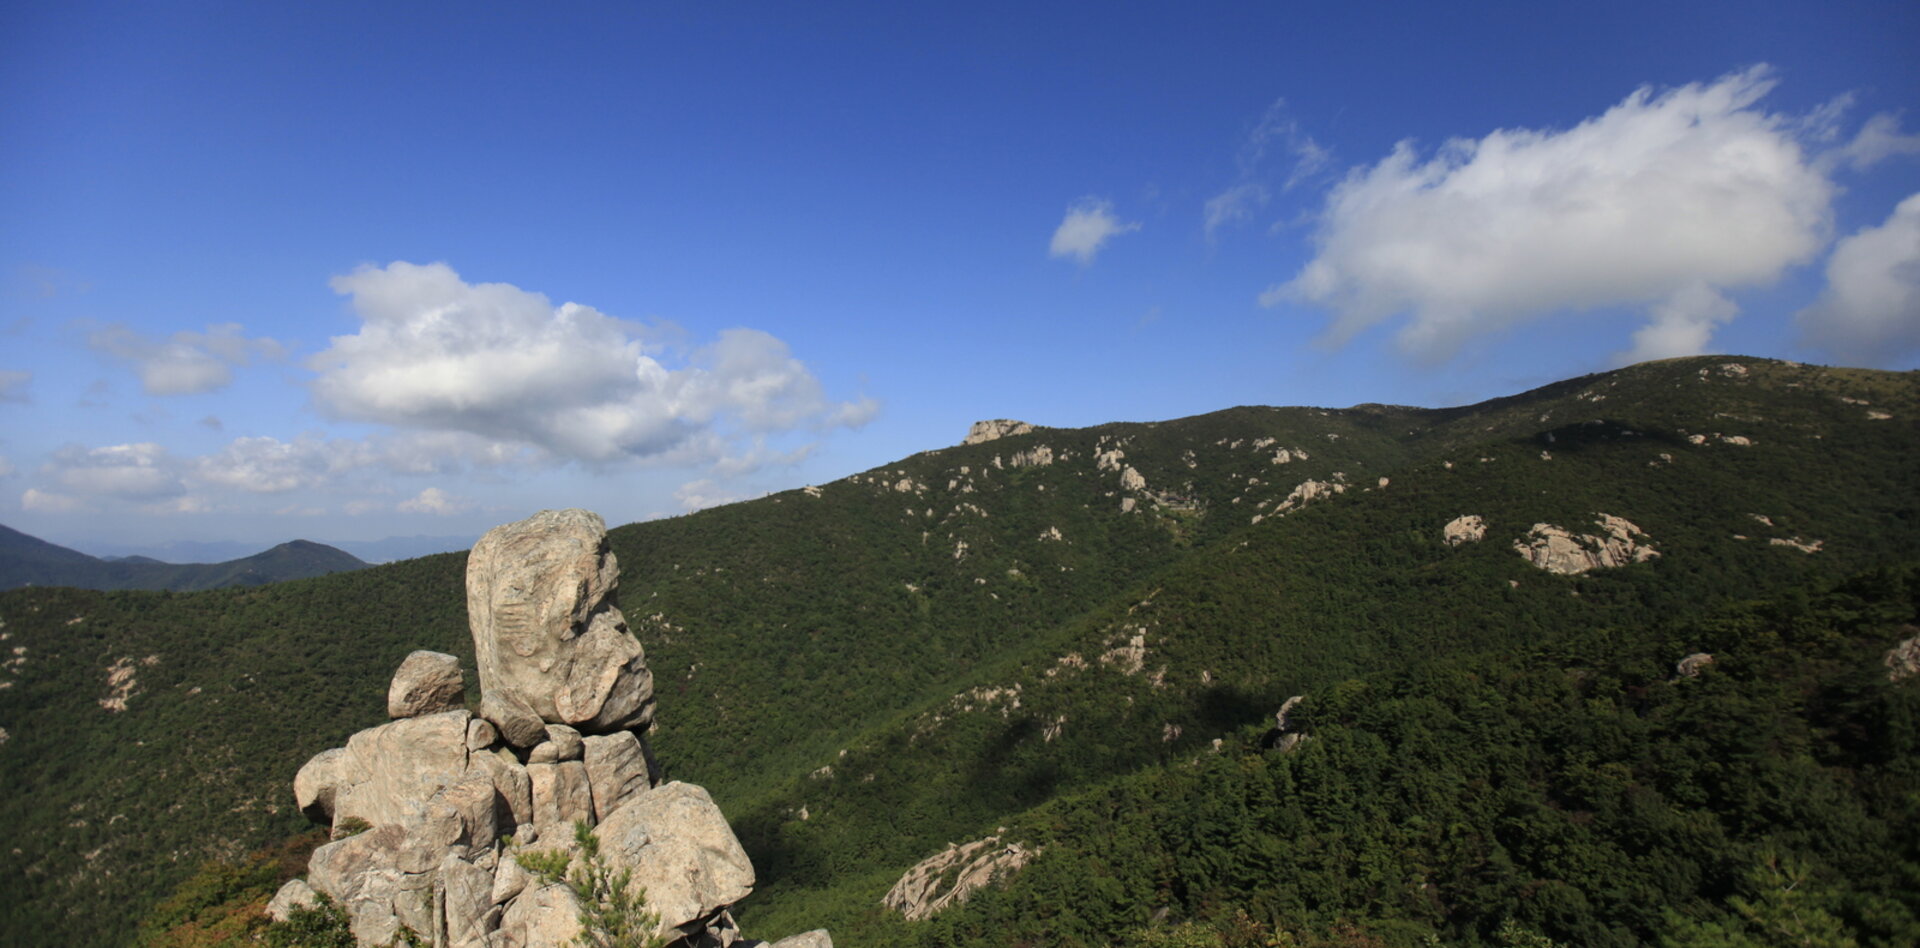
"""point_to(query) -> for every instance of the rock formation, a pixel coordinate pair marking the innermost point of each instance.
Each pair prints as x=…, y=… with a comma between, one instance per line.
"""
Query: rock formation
x=1464, y=529
x=1903, y=660
x=430, y=811
x=1692, y=665
x=1558, y=550
x=948, y=877
x=995, y=429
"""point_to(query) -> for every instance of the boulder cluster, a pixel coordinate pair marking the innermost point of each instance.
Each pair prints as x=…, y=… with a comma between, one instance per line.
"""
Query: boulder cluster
x=430, y=811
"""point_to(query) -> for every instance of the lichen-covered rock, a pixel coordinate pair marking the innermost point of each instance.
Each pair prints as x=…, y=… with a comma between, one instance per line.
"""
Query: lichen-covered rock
x=546, y=628
x=948, y=877
x=1465, y=529
x=1558, y=550
x=678, y=846
x=426, y=683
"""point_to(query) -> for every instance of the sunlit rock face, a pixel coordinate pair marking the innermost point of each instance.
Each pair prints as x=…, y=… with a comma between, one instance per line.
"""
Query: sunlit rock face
x=547, y=632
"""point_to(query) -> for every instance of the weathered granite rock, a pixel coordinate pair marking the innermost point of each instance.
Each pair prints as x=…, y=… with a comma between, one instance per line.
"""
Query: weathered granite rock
x=295, y=894
x=1692, y=665
x=546, y=628
x=384, y=878
x=390, y=769
x=426, y=683
x=562, y=743
x=994, y=429
x=474, y=803
x=1558, y=550
x=1903, y=660
x=513, y=718
x=510, y=781
x=541, y=917
x=1280, y=716
x=561, y=798
x=509, y=880
x=468, y=897
x=1464, y=529
x=318, y=783
x=948, y=877
x=616, y=770
x=678, y=846
x=481, y=734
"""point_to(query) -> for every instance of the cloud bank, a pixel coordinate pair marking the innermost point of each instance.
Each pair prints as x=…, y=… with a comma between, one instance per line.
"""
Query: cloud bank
x=1870, y=311
x=1089, y=224
x=493, y=361
x=1665, y=201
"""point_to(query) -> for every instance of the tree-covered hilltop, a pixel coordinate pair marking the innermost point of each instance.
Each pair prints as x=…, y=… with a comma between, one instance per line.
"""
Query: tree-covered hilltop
x=865, y=671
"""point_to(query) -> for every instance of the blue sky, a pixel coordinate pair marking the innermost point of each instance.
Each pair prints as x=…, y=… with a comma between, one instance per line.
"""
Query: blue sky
x=352, y=271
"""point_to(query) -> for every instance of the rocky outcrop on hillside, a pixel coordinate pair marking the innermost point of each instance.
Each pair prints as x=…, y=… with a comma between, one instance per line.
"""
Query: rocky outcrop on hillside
x=1559, y=550
x=994, y=429
x=948, y=877
x=431, y=812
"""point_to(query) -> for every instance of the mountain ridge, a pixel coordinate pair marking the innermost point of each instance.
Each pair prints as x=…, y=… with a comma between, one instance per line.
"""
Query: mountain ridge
x=30, y=561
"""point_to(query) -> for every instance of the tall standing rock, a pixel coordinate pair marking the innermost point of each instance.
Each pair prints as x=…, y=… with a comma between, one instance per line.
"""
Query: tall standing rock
x=546, y=629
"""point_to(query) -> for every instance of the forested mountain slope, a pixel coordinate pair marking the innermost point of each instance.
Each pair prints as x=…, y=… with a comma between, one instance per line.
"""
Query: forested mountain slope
x=865, y=671
x=30, y=561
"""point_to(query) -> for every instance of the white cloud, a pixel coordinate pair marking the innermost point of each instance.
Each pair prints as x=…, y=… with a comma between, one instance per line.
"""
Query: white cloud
x=6, y=466
x=506, y=366
x=433, y=500
x=45, y=502
x=701, y=494
x=266, y=465
x=1693, y=186
x=186, y=363
x=1680, y=325
x=1879, y=139
x=141, y=471
x=1276, y=127
x=1870, y=310
x=1089, y=224
x=13, y=386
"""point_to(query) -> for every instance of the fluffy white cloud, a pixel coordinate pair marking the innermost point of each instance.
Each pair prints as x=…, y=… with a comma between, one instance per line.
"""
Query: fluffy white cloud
x=1870, y=311
x=13, y=385
x=266, y=465
x=1691, y=187
x=1879, y=139
x=701, y=494
x=141, y=471
x=1680, y=325
x=506, y=366
x=1089, y=224
x=433, y=500
x=186, y=363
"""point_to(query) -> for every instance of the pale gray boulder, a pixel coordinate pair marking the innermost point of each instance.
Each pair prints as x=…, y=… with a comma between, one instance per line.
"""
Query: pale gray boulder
x=680, y=848
x=616, y=770
x=540, y=917
x=562, y=743
x=481, y=734
x=295, y=894
x=384, y=878
x=547, y=630
x=391, y=769
x=318, y=783
x=515, y=721
x=818, y=938
x=466, y=903
x=561, y=797
x=426, y=683
x=510, y=781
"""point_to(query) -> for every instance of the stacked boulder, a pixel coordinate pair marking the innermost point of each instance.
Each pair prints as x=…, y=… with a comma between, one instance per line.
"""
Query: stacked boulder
x=429, y=811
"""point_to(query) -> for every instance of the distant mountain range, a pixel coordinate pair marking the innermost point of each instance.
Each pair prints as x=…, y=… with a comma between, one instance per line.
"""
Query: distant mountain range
x=30, y=561
x=385, y=550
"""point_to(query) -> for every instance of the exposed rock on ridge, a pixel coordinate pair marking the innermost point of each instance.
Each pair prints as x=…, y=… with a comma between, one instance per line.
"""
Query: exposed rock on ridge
x=1558, y=550
x=948, y=877
x=995, y=429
